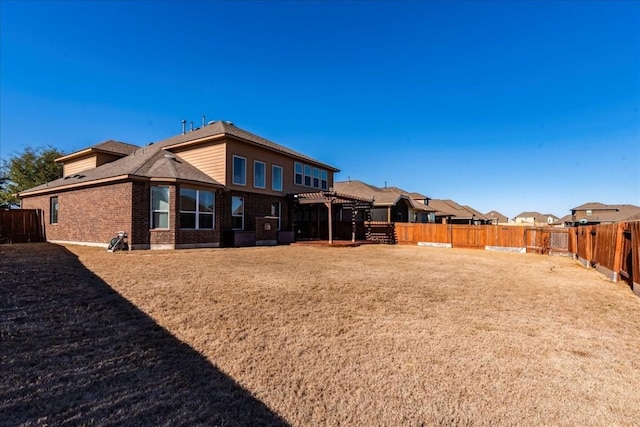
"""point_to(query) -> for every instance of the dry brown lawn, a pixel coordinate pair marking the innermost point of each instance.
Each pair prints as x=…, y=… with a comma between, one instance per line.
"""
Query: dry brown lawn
x=373, y=335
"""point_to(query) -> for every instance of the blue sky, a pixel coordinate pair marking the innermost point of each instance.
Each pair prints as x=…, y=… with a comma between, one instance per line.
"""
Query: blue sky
x=512, y=106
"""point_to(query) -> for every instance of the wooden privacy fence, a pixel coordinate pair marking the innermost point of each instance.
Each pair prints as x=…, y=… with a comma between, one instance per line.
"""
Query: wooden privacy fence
x=21, y=226
x=613, y=249
x=494, y=237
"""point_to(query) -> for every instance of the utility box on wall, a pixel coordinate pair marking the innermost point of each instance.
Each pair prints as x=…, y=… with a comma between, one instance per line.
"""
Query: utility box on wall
x=266, y=231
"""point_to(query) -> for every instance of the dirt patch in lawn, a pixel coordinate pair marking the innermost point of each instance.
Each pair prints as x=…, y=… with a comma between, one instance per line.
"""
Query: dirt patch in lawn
x=372, y=335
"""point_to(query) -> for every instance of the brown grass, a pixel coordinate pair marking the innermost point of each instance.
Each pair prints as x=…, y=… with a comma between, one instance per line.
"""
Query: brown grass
x=383, y=335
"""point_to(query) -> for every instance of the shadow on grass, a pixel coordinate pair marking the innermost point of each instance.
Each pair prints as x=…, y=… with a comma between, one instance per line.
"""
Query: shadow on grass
x=74, y=351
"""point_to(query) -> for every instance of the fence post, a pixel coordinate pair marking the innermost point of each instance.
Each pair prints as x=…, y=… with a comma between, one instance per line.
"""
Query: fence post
x=617, y=258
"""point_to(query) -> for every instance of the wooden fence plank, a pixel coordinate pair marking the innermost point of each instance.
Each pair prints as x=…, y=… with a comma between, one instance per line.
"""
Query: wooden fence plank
x=21, y=226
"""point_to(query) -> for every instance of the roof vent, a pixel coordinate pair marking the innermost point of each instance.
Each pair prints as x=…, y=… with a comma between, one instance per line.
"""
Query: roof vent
x=170, y=156
x=229, y=123
x=211, y=122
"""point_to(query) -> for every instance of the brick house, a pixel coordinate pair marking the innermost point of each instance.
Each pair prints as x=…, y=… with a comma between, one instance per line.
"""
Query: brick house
x=218, y=185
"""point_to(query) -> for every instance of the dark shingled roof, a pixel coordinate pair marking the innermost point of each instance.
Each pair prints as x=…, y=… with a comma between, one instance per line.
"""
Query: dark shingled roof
x=610, y=213
x=382, y=196
x=156, y=161
x=110, y=146
x=148, y=162
x=449, y=207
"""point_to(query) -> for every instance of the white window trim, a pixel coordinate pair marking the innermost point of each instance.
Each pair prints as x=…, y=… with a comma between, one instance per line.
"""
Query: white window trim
x=273, y=168
x=197, y=211
x=168, y=211
x=233, y=171
x=264, y=174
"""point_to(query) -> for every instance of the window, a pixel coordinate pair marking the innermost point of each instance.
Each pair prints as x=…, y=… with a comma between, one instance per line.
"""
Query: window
x=259, y=174
x=53, y=209
x=239, y=170
x=159, y=207
x=316, y=178
x=237, y=213
x=196, y=209
x=276, y=178
x=298, y=174
x=275, y=211
x=307, y=175
x=589, y=212
x=324, y=181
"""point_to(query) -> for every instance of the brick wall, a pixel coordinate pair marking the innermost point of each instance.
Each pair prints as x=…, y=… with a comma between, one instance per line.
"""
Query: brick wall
x=96, y=214
x=91, y=215
x=266, y=231
x=255, y=206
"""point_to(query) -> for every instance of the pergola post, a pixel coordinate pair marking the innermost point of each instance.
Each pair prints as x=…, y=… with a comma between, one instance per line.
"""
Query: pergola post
x=328, y=204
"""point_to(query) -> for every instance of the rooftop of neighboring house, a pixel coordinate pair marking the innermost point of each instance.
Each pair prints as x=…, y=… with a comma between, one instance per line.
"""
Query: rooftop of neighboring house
x=537, y=216
x=495, y=215
x=601, y=212
x=451, y=208
x=565, y=219
x=157, y=161
x=382, y=196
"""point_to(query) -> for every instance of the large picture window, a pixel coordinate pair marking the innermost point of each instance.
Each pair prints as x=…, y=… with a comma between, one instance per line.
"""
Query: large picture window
x=276, y=178
x=159, y=207
x=197, y=209
x=259, y=174
x=239, y=170
x=237, y=213
x=53, y=209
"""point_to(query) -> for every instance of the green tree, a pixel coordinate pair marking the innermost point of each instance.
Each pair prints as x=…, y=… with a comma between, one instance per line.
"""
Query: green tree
x=33, y=167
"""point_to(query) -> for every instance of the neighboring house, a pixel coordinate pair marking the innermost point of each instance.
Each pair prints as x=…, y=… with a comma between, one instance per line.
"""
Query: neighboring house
x=214, y=186
x=450, y=212
x=390, y=204
x=496, y=218
x=565, y=221
x=535, y=219
x=600, y=213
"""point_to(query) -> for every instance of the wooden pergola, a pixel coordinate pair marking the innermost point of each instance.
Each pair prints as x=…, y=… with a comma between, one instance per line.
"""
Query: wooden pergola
x=331, y=198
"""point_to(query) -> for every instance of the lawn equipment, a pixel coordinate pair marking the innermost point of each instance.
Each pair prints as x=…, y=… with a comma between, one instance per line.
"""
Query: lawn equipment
x=118, y=243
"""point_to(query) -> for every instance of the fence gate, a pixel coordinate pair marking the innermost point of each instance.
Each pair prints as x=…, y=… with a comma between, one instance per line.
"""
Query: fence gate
x=547, y=240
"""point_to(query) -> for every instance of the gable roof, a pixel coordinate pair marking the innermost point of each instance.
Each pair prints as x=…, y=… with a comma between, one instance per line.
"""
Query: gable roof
x=108, y=147
x=157, y=161
x=145, y=162
x=453, y=209
x=497, y=215
x=219, y=129
x=381, y=196
x=612, y=213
